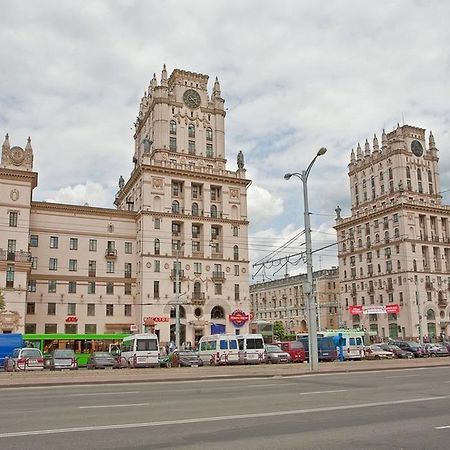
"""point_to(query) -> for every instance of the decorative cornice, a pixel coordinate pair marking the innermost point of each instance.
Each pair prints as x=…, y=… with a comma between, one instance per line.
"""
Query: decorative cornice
x=13, y=174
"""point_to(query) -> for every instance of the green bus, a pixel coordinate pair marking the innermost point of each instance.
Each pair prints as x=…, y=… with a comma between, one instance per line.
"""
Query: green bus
x=82, y=344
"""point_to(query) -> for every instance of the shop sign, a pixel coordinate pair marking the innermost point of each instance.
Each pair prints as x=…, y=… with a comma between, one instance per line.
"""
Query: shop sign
x=133, y=328
x=374, y=309
x=157, y=319
x=71, y=319
x=238, y=317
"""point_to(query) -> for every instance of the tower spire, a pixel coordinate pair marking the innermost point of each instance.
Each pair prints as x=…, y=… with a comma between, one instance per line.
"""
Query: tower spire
x=358, y=152
x=216, y=88
x=352, y=157
x=28, y=146
x=431, y=142
x=5, y=144
x=375, y=143
x=164, y=76
x=366, y=148
x=154, y=82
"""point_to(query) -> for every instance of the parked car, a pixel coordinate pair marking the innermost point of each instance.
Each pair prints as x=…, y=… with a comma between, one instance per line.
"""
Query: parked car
x=275, y=355
x=325, y=346
x=376, y=352
x=188, y=358
x=60, y=359
x=436, y=350
x=295, y=349
x=24, y=359
x=417, y=350
x=103, y=360
x=397, y=351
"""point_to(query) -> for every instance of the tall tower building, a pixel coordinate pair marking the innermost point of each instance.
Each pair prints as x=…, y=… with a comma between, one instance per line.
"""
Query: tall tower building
x=394, y=249
x=181, y=214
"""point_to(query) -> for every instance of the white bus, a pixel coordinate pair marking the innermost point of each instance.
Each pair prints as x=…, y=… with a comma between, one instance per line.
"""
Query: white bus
x=251, y=348
x=219, y=349
x=353, y=344
x=141, y=350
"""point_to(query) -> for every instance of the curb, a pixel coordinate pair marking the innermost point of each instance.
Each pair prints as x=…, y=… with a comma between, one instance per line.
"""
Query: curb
x=216, y=377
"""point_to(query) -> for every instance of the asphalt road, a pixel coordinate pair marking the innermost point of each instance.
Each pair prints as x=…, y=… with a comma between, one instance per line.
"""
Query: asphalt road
x=407, y=409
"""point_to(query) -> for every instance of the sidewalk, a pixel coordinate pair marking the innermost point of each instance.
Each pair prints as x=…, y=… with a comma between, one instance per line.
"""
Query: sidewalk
x=83, y=376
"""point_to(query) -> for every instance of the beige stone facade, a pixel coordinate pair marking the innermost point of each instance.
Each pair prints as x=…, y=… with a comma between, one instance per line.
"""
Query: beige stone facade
x=68, y=268
x=284, y=300
x=394, y=249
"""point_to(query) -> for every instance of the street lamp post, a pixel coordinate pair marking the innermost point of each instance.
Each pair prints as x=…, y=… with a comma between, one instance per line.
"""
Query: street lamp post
x=312, y=307
x=419, y=312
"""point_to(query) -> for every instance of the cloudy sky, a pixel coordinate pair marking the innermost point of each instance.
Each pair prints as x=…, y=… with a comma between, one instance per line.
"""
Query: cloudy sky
x=296, y=75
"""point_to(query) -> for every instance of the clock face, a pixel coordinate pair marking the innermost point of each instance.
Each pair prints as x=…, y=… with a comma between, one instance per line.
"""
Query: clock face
x=17, y=155
x=416, y=148
x=191, y=98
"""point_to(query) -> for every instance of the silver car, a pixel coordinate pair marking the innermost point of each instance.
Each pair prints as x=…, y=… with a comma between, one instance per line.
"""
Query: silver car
x=275, y=355
x=24, y=359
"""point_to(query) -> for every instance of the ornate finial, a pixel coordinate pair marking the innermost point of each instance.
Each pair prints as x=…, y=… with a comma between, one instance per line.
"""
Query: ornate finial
x=164, y=76
x=383, y=139
x=352, y=156
x=431, y=142
x=240, y=160
x=6, y=141
x=154, y=82
x=367, y=148
x=216, y=88
x=358, y=151
x=375, y=143
x=28, y=146
x=338, y=212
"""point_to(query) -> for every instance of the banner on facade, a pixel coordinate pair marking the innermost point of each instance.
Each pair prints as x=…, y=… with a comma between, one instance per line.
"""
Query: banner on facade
x=157, y=319
x=374, y=309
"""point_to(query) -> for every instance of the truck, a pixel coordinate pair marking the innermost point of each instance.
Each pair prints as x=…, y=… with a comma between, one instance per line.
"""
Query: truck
x=8, y=342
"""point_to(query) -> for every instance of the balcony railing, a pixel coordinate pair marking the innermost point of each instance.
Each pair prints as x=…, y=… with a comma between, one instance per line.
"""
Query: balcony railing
x=19, y=256
x=218, y=276
x=198, y=298
x=173, y=274
x=92, y=273
x=111, y=253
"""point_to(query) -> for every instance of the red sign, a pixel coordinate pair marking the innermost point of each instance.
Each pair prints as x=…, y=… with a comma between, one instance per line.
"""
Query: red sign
x=374, y=309
x=354, y=310
x=156, y=319
x=71, y=319
x=392, y=309
x=238, y=318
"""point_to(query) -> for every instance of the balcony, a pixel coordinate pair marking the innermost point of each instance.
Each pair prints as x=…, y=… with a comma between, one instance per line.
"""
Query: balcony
x=173, y=274
x=198, y=298
x=428, y=285
x=127, y=274
x=217, y=255
x=442, y=303
x=218, y=276
x=20, y=256
x=91, y=273
x=111, y=253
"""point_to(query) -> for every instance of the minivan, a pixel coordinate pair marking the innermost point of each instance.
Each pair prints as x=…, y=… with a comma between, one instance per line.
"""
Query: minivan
x=295, y=350
x=251, y=349
x=141, y=350
x=219, y=349
x=325, y=346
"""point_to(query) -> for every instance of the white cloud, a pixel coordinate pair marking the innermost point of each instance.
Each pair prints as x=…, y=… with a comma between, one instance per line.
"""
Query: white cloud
x=93, y=194
x=263, y=205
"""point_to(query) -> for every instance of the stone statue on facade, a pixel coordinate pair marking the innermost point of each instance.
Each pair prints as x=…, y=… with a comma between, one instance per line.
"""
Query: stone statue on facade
x=338, y=212
x=121, y=182
x=240, y=160
x=147, y=144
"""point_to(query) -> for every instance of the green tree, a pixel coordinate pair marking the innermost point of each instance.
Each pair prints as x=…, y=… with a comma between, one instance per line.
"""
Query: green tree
x=2, y=301
x=278, y=330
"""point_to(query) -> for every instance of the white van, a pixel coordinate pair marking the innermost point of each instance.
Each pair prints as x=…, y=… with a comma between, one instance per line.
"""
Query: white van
x=141, y=350
x=251, y=349
x=219, y=349
x=353, y=347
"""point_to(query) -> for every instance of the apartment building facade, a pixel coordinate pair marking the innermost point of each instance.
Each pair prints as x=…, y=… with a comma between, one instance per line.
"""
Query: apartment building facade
x=394, y=249
x=180, y=215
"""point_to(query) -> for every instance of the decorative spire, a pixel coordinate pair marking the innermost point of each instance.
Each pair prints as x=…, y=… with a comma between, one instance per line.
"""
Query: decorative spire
x=359, y=151
x=216, y=88
x=28, y=146
x=431, y=142
x=383, y=139
x=399, y=130
x=352, y=156
x=375, y=143
x=154, y=82
x=366, y=148
x=6, y=142
x=164, y=76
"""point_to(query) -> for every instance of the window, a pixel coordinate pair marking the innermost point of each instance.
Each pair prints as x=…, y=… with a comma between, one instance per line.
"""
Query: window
x=191, y=147
x=213, y=211
x=196, y=190
x=53, y=242
x=91, y=309
x=128, y=248
x=34, y=240
x=157, y=246
x=51, y=328
x=127, y=289
x=71, y=328
x=218, y=288
x=196, y=246
x=176, y=206
x=11, y=249
x=92, y=245
x=157, y=265
x=209, y=134
x=53, y=264
x=71, y=309
x=127, y=270
x=197, y=268
x=215, y=193
x=31, y=308
x=72, y=287
x=173, y=127
x=195, y=209
x=109, y=310
x=156, y=289
x=91, y=287
x=30, y=328
x=127, y=310
x=90, y=328
x=73, y=244
x=31, y=285
x=191, y=130
x=72, y=265
x=92, y=268
x=236, y=270
x=13, y=218
x=109, y=266
x=236, y=292
x=235, y=230
x=51, y=286
x=236, y=253
x=110, y=288
x=157, y=223
x=173, y=144
x=209, y=151
x=34, y=262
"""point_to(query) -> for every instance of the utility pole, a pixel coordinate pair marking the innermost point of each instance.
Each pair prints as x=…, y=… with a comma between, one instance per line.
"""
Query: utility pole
x=419, y=313
x=177, y=299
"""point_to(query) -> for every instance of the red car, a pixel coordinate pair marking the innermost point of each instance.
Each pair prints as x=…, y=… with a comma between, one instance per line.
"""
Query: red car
x=295, y=349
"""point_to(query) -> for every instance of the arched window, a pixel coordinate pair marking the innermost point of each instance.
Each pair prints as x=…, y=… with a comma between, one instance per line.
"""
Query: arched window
x=368, y=241
x=197, y=287
x=175, y=206
x=195, y=209
x=217, y=313
x=344, y=247
x=359, y=243
x=173, y=127
x=377, y=238
x=386, y=236
x=157, y=246
x=431, y=315
x=209, y=134
x=213, y=211
x=352, y=246
x=419, y=174
x=236, y=253
x=173, y=312
x=414, y=265
x=191, y=130
x=430, y=177
x=390, y=173
x=408, y=172
x=381, y=176
x=396, y=233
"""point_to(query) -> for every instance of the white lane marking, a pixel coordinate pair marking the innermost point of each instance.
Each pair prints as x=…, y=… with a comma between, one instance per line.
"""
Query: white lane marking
x=113, y=406
x=102, y=393
x=442, y=428
x=266, y=385
x=220, y=418
x=402, y=376
x=323, y=392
